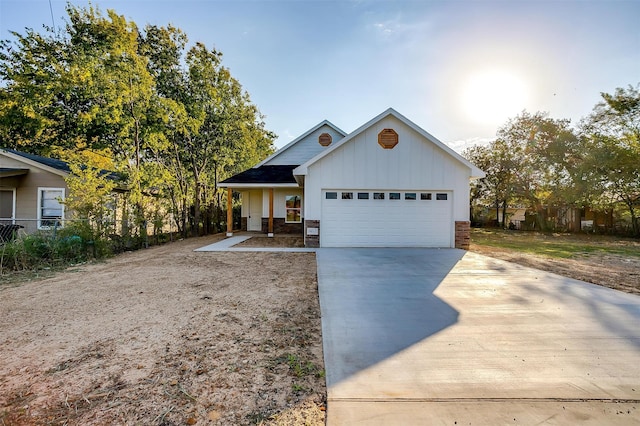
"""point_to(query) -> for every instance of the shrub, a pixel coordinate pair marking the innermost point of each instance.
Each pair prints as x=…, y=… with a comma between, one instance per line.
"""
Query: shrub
x=73, y=244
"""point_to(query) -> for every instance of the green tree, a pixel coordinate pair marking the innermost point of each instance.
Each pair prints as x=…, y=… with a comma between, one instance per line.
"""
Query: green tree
x=173, y=120
x=497, y=188
x=545, y=154
x=611, y=145
x=215, y=130
x=124, y=99
x=91, y=190
x=31, y=70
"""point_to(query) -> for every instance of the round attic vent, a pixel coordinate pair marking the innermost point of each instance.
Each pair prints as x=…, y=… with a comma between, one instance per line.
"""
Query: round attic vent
x=325, y=139
x=388, y=138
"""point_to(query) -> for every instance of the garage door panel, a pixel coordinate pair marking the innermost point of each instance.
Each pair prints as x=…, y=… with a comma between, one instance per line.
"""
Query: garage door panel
x=371, y=222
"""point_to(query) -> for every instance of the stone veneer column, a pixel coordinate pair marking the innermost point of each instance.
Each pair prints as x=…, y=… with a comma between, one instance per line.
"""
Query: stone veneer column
x=463, y=234
x=312, y=241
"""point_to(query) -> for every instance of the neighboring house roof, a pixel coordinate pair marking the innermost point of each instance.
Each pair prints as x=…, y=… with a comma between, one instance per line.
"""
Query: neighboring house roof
x=299, y=139
x=302, y=169
x=58, y=167
x=53, y=165
x=273, y=175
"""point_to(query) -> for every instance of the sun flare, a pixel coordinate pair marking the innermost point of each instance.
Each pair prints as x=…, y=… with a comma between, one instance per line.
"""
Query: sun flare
x=492, y=96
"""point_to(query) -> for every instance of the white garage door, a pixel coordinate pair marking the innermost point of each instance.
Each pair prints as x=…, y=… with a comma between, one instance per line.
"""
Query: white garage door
x=361, y=218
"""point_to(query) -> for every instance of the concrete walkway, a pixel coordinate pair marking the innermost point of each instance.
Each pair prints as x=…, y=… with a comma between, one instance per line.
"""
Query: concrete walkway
x=427, y=336
x=228, y=245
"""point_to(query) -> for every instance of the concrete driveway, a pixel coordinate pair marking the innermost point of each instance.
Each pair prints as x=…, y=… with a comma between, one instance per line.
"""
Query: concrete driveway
x=428, y=336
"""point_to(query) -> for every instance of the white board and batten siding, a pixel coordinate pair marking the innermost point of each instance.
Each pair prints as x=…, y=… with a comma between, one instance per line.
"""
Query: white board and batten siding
x=304, y=149
x=414, y=165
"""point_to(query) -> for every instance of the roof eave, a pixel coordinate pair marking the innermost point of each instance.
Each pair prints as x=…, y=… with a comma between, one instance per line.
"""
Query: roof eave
x=35, y=163
x=257, y=185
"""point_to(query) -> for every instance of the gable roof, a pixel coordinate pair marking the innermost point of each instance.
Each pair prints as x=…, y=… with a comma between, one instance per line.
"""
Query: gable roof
x=272, y=175
x=300, y=138
x=58, y=167
x=475, y=171
x=53, y=165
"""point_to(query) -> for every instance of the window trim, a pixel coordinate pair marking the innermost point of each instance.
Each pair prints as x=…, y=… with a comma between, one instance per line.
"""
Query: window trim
x=41, y=189
x=293, y=209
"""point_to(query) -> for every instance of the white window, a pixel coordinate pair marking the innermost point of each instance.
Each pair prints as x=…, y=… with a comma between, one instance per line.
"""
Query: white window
x=292, y=209
x=331, y=196
x=50, y=209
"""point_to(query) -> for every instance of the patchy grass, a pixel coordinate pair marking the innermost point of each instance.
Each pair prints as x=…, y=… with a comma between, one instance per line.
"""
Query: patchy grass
x=599, y=259
x=556, y=245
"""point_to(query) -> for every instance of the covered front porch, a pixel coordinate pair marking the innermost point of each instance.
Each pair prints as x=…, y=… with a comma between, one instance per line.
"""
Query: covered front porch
x=268, y=210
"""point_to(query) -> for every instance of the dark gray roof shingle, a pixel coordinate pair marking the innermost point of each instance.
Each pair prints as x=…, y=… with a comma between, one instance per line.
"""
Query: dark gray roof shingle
x=51, y=162
x=265, y=174
x=59, y=164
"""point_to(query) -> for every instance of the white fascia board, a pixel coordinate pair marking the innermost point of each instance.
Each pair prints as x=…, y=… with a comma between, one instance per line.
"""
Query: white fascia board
x=475, y=172
x=257, y=185
x=298, y=139
x=34, y=163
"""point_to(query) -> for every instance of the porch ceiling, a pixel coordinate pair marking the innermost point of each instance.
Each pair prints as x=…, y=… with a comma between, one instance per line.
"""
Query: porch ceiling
x=10, y=172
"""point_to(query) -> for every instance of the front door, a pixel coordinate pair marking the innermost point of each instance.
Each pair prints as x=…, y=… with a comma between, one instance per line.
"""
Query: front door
x=254, y=222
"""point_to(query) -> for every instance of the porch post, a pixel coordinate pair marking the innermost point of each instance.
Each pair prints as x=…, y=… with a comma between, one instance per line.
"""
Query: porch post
x=270, y=212
x=229, y=212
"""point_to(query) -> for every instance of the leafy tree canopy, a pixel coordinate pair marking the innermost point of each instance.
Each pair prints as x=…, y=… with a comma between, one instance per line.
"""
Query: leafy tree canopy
x=170, y=117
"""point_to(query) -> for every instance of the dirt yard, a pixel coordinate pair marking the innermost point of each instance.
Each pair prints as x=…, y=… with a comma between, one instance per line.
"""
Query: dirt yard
x=165, y=336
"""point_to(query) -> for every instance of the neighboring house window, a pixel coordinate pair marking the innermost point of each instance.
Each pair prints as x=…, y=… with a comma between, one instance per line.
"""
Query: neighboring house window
x=292, y=209
x=7, y=206
x=50, y=210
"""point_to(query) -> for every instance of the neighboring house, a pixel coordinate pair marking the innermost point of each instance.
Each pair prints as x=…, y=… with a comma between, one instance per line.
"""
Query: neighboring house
x=31, y=188
x=388, y=183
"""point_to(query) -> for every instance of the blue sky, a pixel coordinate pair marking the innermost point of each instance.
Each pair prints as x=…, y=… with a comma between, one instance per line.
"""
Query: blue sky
x=459, y=69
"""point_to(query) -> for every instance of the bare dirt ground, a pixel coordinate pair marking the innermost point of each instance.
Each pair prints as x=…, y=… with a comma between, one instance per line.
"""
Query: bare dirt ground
x=261, y=240
x=165, y=336
x=608, y=270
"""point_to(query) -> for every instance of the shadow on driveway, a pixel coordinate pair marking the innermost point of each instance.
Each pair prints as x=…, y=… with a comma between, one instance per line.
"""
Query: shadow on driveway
x=377, y=302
